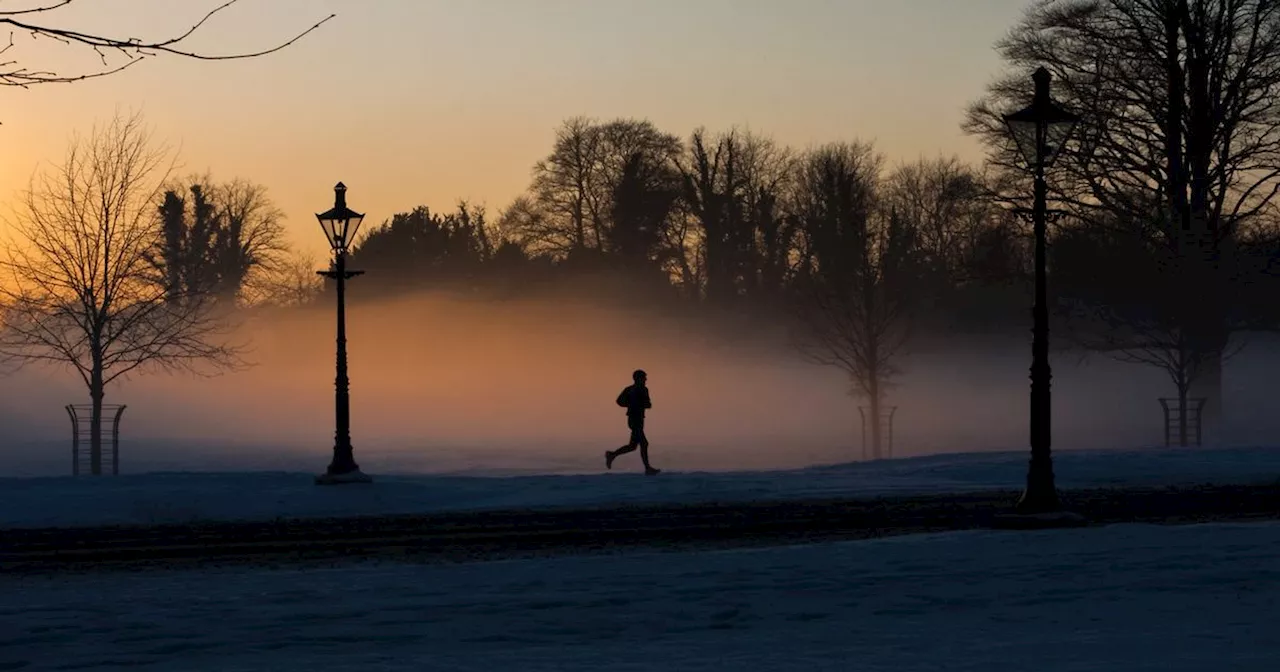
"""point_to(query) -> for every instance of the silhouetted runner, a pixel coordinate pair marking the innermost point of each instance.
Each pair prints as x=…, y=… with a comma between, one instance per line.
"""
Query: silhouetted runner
x=634, y=398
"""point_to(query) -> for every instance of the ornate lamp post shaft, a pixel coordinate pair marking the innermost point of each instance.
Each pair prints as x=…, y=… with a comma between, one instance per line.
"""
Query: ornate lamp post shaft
x=1040, y=130
x=1041, y=494
x=343, y=455
x=340, y=225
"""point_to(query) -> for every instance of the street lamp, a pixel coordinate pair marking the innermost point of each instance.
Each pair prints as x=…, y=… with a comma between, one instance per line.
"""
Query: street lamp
x=340, y=224
x=1040, y=130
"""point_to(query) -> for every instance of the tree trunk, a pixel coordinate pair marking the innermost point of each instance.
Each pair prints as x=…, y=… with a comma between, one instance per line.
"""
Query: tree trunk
x=1175, y=167
x=579, y=223
x=1208, y=385
x=1206, y=319
x=1182, y=415
x=95, y=422
x=874, y=385
x=1208, y=316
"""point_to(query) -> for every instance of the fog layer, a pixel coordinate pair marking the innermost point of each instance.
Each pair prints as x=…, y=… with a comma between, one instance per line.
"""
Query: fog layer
x=441, y=384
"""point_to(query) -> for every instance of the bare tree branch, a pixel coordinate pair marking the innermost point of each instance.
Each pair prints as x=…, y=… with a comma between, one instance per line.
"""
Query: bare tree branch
x=133, y=50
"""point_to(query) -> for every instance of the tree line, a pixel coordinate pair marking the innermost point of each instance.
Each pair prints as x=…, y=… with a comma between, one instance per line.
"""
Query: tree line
x=731, y=219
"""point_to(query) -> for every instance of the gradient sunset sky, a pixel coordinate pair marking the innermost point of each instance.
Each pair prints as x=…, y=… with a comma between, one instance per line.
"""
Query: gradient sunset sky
x=427, y=101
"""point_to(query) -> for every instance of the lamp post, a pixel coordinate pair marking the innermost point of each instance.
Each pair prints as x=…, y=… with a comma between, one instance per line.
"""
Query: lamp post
x=340, y=224
x=1040, y=130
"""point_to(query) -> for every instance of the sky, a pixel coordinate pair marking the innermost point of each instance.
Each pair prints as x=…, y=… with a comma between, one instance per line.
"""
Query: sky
x=415, y=102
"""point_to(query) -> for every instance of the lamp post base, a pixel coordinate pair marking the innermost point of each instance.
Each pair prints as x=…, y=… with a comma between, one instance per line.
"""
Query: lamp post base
x=356, y=476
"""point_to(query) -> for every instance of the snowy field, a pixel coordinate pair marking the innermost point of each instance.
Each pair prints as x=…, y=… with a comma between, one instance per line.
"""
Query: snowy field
x=1123, y=597
x=187, y=497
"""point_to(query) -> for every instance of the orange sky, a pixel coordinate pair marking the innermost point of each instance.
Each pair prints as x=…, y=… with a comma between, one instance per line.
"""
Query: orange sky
x=427, y=101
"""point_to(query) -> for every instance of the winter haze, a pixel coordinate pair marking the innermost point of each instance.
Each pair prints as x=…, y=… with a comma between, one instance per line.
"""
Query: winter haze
x=441, y=383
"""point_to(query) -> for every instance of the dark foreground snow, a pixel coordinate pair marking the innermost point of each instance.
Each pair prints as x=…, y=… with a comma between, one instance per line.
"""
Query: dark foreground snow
x=1124, y=597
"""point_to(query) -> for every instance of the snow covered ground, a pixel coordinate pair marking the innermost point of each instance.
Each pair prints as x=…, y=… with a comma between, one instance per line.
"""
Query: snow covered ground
x=1124, y=597
x=186, y=497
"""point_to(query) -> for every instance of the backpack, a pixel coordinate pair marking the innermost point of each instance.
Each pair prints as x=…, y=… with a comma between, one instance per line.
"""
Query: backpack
x=624, y=397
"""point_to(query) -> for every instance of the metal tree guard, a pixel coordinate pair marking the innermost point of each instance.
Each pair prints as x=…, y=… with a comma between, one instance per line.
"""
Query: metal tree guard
x=886, y=420
x=1188, y=427
x=85, y=432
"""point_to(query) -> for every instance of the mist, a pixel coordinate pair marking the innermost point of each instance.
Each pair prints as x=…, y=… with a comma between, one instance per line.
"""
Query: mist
x=443, y=384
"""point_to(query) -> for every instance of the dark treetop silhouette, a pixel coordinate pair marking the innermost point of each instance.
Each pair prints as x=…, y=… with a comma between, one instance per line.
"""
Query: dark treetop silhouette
x=223, y=239
x=634, y=398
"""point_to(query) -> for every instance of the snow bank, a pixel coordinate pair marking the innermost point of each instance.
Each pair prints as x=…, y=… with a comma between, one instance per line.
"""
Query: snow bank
x=185, y=496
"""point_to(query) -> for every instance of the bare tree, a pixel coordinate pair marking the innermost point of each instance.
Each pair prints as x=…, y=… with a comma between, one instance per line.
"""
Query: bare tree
x=113, y=53
x=623, y=141
x=1164, y=346
x=566, y=191
x=944, y=199
x=734, y=186
x=1181, y=129
x=643, y=201
x=290, y=281
x=574, y=186
x=713, y=193
x=1124, y=297
x=710, y=188
x=768, y=175
x=78, y=287
x=681, y=241
x=224, y=239
x=857, y=278
x=249, y=244
x=524, y=223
